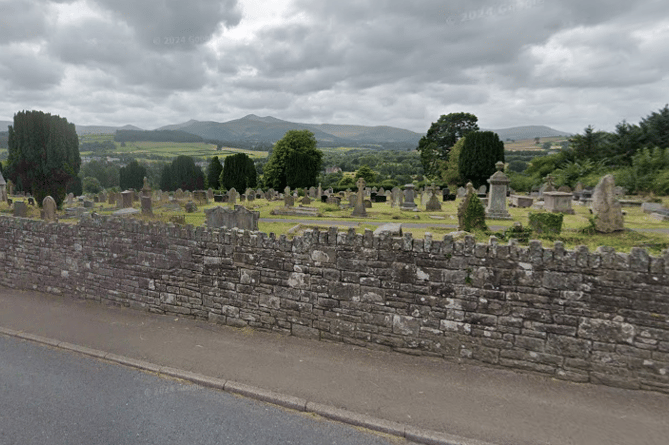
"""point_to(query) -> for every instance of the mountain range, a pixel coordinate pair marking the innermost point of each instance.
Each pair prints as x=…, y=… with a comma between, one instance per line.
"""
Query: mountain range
x=252, y=128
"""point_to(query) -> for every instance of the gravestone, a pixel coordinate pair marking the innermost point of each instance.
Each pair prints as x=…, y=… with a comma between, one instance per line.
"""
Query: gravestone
x=49, y=209
x=312, y=192
x=218, y=198
x=126, y=198
x=288, y=201
x=96, y=198
x=20, y=209
x=10, y=188
x=368, y=203
x=334, y=200
x=179, y=194
x=564, y=189
x=462, y=192
x=251, y=197
x=496, y=208
x=69, y=199
x=88, y=204
x=200, y=196
x=352, y=200
x=3, y=189
x=482, y=190
x=210, y=194
x=232, y=196
x=558, y=202
x=306, y=201
x=146, y=205
x=396, y=197
x=240, y=217
x=31, y=201
x=409, y=197
x=606, y=208
x=190, y=207
x=579, y=187
x=433, y=205
x=359, y=209
x=521, y=201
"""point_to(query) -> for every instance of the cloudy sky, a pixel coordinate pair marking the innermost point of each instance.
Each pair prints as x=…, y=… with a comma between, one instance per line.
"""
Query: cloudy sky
x=561, y=63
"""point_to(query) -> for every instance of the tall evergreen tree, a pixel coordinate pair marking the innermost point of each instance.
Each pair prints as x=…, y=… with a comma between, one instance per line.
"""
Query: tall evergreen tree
x=295, y=161
x=239, y=172
x=132, y=176
x=183, y=174
x=43, y=154
x=480, y=152
x=214, y=173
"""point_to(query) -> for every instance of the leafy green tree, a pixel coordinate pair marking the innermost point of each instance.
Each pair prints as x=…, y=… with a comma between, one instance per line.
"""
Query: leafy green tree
x=43, y=154
x=239, y=172
x=295, y=161
x=480, y=151
x=182, y=174
x=365, y=173
x=346, y=181
x=436, y=145
x=91, y=185
x=451, y=173
x=132, y=176
x=214, y=170
x=106, y=173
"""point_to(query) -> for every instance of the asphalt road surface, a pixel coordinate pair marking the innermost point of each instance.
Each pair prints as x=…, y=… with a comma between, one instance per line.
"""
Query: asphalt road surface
x=56, y=397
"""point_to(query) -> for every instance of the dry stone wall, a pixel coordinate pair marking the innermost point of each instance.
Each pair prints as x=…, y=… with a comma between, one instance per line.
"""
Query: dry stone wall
x=577, y=315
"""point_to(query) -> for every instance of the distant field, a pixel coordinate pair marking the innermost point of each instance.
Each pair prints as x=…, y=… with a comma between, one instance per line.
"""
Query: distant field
x=142, y=149
x=530, y=144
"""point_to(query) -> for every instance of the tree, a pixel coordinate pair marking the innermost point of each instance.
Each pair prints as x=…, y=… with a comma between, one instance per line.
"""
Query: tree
x=183, y=174
x=451, y=173
x=480, y=151
x=436, y=145
x=91, y=185
x=43, y=154
x=589, y=145
x=295, y=161
x=132, y=176
x=655, y=128
x=239, y=172
x=214, y=171
x=365, y=173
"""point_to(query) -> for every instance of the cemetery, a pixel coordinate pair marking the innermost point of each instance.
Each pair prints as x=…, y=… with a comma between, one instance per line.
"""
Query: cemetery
x=578, y=297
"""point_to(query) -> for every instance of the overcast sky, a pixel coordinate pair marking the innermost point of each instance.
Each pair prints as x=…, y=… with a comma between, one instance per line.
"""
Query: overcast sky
x=561, y=63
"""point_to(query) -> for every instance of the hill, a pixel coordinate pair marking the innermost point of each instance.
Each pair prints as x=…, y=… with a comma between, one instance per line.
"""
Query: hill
x=528, y=132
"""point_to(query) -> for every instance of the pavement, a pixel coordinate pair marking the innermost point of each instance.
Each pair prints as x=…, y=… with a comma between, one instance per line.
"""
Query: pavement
x=423, y=399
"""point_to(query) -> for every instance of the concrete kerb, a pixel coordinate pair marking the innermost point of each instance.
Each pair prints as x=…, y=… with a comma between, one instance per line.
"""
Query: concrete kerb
x=408, y=432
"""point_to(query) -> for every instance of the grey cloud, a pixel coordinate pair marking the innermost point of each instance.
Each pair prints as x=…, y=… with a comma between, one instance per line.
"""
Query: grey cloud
x=158, y=23
x=29, y=70
x=23, y=20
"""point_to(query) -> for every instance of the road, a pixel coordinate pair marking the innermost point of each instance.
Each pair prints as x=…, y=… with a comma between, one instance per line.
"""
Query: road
x=49, y=396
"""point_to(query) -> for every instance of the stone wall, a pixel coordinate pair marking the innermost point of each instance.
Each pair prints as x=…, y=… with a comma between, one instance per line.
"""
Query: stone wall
x=583, y=316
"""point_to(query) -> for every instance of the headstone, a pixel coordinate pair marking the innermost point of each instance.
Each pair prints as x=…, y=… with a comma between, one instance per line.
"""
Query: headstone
x=548, y=186
x=179, y=194
x=312, y=192
x=240, y=217
x=218, y=198
x=558, y=202
x=368, y=203
x=232, y=196
x=10, y=188
x=210, y=194
x=409, y=197
x=96, y=198
x=334, y=200
x=578, y=188
x=306, y=201
x=31, y=201
x=3, y=189
x=521, y=201
x=69, y=199
x=464, y=204
x=359, y=209
x=251, y=197
x=146, y=205
x=49, y=209
x=462, y=192
x=190, y=207
x=606, y=208
x=564, y=189
x=496, y=206
x=88, y=204
x=619, y=191
x=651, y=207
x=288, y=201
x=392, y=229
x=200, y=196
x=127, y=198
x=20, y=209
x=352, y=200
x=320, y=190
x=433, y=205
x=397, y=197
x=146, y=188
x=483, y=189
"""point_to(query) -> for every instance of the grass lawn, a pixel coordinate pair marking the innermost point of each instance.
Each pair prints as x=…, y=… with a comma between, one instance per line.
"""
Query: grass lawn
x=643, y=231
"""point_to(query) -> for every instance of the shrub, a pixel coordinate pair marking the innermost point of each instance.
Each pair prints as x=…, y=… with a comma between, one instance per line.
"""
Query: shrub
x=474, y=215
x=546, y=223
